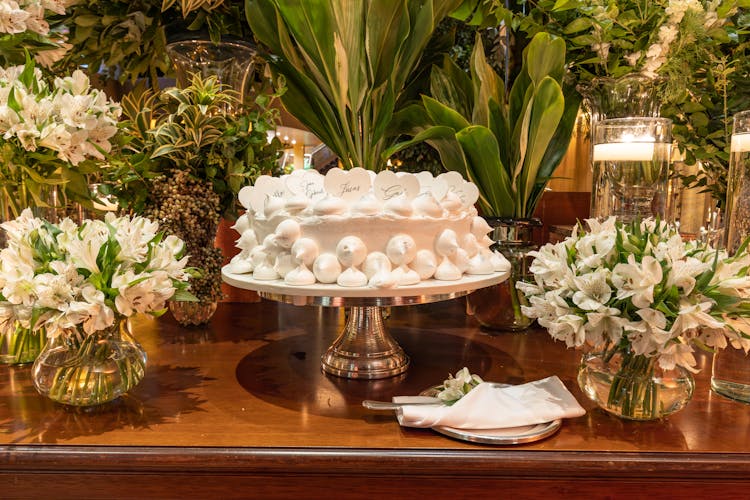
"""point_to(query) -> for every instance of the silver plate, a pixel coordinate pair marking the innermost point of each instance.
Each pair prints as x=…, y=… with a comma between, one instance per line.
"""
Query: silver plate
x=509, y=435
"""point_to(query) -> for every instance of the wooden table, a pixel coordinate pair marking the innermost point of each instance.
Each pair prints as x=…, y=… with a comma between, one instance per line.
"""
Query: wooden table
x=241, y=409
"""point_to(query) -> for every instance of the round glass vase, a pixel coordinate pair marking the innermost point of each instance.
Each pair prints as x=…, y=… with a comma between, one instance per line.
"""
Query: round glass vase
x=633, y=386
x=21, y=345
x=80, y=369
x=192, y=313
x=498, y=307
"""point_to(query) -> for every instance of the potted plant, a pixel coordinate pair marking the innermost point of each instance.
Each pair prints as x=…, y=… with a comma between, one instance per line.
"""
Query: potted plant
x=187, y=160
x=507, y=143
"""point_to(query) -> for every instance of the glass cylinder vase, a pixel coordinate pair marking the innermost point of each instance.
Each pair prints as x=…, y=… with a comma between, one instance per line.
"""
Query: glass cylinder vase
x=633, y=386
x=731, y=367
x=603, y=98
x=498, y=307
x=80, y=369
x=634, y=154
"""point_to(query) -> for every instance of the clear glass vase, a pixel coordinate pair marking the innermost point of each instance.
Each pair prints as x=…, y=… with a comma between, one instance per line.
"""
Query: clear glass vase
x=192, y=313
x=21, y=345
x=605, y=98
x=730, y=374
x=633, y=386
x=82, y=369
x=498, y=307
x=233, y=62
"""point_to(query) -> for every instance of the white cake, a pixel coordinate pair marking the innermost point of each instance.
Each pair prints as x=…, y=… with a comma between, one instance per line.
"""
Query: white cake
x=359, y=229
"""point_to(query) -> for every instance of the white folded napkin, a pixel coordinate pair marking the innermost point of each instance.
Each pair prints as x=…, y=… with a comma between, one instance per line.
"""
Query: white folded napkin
x=488, y=406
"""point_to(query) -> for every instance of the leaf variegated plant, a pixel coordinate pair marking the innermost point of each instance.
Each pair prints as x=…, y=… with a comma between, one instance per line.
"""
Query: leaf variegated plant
x=346, y=64
x=507, y=143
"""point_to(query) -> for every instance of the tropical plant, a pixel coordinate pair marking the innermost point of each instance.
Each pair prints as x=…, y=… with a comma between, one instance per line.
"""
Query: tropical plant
x=507, y=143
x=346, y=64
x=188, y=129
x=187, y=158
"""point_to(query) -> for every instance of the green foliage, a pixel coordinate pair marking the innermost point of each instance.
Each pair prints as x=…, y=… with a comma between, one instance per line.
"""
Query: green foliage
x=700, y=54
x=346, y=64
x=130, y=37
x=202, y=129
x=507, y=143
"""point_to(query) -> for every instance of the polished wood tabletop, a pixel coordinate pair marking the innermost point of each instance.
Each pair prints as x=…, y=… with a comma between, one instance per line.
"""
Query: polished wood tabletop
x=242, y=403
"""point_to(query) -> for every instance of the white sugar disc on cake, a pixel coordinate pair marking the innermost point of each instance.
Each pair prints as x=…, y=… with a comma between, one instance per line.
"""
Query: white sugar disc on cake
x=265, y=187
x=307, y=183
x=348, y=185
x=388, y=185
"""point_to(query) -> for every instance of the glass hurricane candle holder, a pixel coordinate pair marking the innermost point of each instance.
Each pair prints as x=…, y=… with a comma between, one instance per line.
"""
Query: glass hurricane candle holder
x=634, y=154
x=731, y=366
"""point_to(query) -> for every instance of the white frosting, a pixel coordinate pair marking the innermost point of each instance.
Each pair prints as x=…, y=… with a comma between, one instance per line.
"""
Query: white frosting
x=399, y=205
x=402, y=230
x=367, y=205
x=426, y=204
x=330, y=205
x=273, y=205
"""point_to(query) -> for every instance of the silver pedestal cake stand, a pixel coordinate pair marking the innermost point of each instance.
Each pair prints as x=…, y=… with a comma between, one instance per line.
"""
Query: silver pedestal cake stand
x=364, y=349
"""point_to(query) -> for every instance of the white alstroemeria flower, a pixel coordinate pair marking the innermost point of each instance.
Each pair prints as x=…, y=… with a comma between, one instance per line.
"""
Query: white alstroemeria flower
x=694, y=315
x=677, y=354
x=632, y=58
x=550, y=263
x=684, y=272
x=78, y=83
x=605, y=323
x=637, y=280
x=713, y=337
x=52, y=291
x=57, y=6
x=647, y=336
x=738, y=332
x=36, y=22
x=729, y=278
x=594, y=250
x=570, y=329
x=12, y=18
x=593, y=291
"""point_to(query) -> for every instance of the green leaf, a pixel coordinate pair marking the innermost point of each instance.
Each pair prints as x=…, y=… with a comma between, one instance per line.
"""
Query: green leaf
x=440, y=114
x=544, y=57
x=483, y=159
x=451, y=86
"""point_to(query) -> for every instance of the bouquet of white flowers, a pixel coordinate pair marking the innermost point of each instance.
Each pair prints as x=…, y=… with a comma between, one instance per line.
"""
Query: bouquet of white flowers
x=33, y=26
x=640, y=294
x=47, y=133
x=78, y=284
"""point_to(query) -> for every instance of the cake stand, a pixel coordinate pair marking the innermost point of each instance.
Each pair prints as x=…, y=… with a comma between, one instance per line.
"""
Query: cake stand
x=364, y=349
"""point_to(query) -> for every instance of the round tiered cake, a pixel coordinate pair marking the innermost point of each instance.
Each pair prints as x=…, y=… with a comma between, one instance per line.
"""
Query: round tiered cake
x=358, y=229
